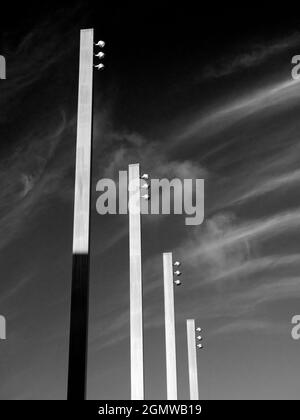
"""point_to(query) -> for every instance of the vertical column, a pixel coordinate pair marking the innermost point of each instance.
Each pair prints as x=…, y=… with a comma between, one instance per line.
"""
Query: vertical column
x=2, y=67
x=136, y=304
x=170, y=327
x=2, y=328
x=81, y=230
x=192, y=359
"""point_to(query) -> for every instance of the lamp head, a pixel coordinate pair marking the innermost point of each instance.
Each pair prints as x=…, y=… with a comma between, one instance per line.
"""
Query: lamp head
x=178, y=273
x=100, y=44
x=146, y=186
x=100, y=54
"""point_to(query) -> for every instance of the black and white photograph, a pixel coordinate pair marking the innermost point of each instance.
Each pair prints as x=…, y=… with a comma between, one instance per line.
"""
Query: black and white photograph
x=149, y=204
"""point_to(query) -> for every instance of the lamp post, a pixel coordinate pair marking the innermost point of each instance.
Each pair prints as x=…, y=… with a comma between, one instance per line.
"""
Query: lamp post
x=136, y=287
x=81, y=228
x=192, y=357
x=170, y=335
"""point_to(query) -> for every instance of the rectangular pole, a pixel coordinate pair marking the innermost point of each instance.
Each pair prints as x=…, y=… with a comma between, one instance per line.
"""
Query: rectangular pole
x=136, y=292
x=192, y=359
x=170, y=338
x=81, y=228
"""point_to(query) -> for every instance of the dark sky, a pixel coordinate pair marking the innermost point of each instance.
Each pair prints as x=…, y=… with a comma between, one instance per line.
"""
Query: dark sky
x=187, y=92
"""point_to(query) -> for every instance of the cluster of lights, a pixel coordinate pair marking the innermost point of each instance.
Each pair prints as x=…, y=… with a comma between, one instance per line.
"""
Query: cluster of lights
x=145, y=186
x=177, y=273
x=199, y=338
x=100, y=55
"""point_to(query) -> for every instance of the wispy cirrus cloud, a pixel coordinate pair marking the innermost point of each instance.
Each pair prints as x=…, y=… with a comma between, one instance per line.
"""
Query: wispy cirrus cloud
x=33, y=58
x=277, y=96
x=271, y=185
x=254, y=55
x=219, y=233
x=27, y=175
x=250, y=325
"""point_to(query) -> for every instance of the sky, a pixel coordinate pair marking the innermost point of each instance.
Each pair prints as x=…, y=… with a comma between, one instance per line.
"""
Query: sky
x=187, y=93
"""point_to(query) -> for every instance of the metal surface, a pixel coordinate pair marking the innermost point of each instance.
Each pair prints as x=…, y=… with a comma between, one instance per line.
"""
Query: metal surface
x=83, y=144
x=192, y=359
x=80, y=274
x=170, y=338
x=136, y=292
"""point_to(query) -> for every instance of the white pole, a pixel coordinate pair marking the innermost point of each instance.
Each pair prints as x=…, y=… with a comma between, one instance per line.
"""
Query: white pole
x=84, y=144
x=81, y=230
x=192, y=359
x=136, y=303
x=170, y=327
x=2, y=328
